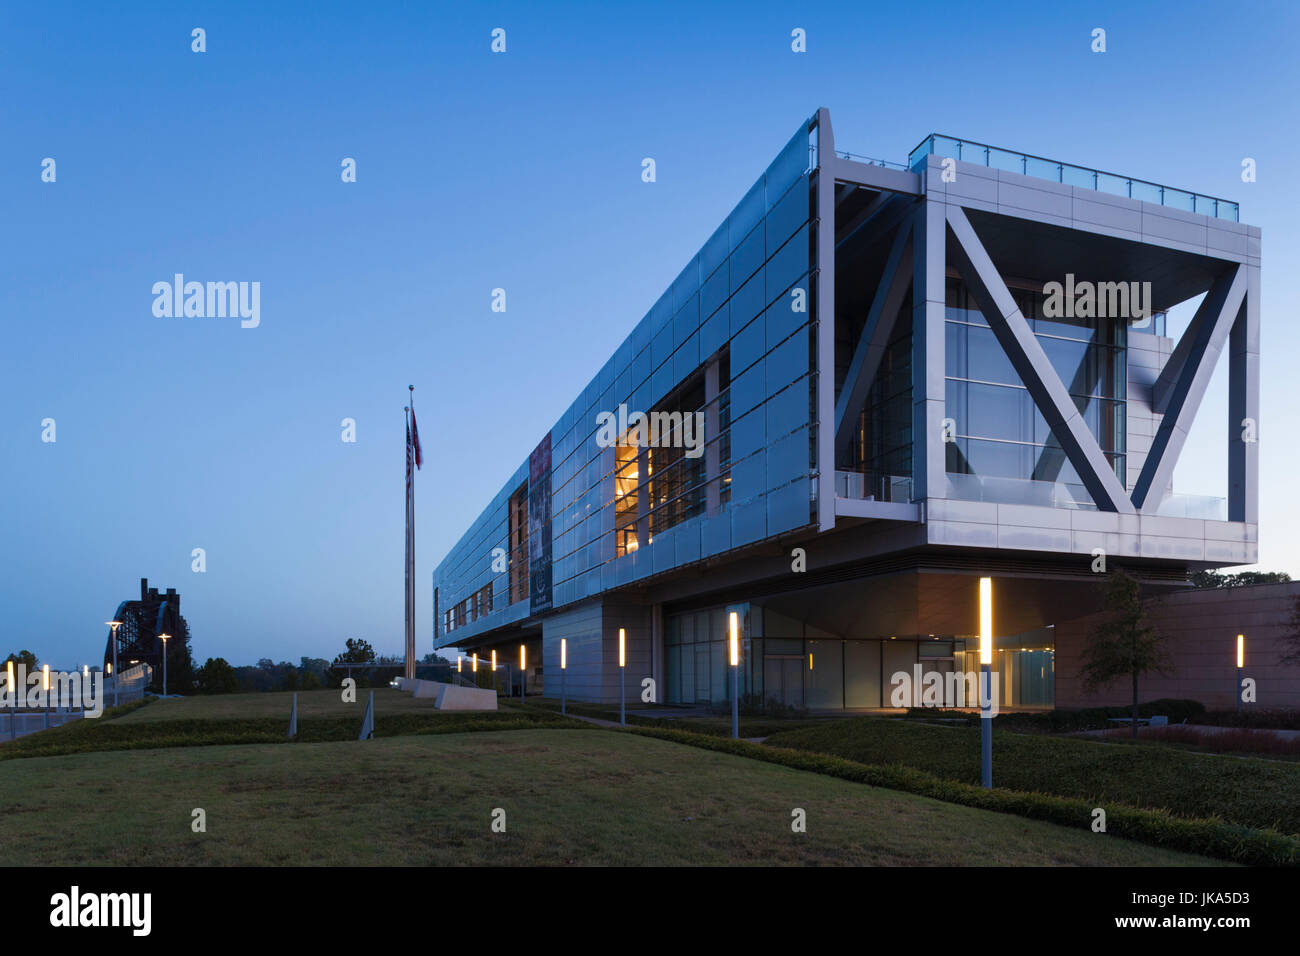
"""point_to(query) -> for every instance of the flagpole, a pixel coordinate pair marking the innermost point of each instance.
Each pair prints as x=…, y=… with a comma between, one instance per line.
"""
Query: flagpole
x=410, y=574
x=406, y=564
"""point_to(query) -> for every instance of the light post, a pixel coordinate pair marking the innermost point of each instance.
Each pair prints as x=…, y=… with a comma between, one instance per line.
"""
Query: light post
x=564, y=663
x=986, y=682
x=734, y=650
x=13, y=701
x=523, y=672
x=114, y=625
x=1241, y=662
x=45, y=679
x=163, y=638
x=622, y=677
x=494, y=670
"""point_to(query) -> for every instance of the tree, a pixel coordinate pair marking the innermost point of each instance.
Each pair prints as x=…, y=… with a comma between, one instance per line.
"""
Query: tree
x=1123, y=643
x=217, y=677
x=23, y=657
x=358, y=651
x=1216, y=579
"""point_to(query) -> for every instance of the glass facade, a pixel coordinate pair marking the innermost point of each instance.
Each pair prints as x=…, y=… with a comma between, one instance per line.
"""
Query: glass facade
x=882, y=447
x=730, y=337
x=787, y=663
x=999, y=431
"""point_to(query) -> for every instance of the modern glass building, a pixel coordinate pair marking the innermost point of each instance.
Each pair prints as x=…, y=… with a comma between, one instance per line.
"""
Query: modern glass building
x=871, y=386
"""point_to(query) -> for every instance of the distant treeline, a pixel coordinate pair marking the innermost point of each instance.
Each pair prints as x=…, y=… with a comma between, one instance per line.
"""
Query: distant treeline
x=313, y=673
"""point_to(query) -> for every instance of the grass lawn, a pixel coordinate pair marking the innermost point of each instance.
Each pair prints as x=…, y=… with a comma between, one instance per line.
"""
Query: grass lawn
x=575, y=797
x=712, y=724
x=1255, y=793
x=223, y=720
x=311, y=703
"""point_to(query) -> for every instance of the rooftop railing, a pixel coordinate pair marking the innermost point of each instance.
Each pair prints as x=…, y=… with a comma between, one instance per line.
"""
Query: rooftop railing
x=869, y=160
x=1071, y=175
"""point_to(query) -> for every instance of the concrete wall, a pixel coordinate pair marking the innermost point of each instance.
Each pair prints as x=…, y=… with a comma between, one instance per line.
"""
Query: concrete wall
x=591, y=632
x=1200, y=629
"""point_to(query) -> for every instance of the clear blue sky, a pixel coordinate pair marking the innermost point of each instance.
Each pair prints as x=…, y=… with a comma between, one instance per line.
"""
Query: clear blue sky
x=477, y=171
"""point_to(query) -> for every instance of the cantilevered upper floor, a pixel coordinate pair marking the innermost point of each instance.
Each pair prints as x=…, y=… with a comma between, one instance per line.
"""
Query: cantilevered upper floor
x=963, y=354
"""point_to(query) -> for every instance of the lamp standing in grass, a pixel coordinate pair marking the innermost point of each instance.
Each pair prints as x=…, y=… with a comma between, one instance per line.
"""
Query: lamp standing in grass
x=494, y=668
x=523, y=673
x=45, y=680
x=622, y=677
x=986, y=680
x=733, y=647
x=564, y=663
x=163, y=638
x=1241, y=662
x=114, y=625
x=13, y=701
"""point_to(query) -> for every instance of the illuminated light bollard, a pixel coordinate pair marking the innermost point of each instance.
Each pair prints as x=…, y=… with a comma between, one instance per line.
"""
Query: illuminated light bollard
x=733, y=643
x=622, y=677
x=494, y=670
x=45, y=680
x=523, y=672
x=986, y=682
x=12, y=690
x=1241, y=662
x=564, y=664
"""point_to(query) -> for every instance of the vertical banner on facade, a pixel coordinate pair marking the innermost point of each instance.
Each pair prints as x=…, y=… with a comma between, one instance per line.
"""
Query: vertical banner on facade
x=539, y=527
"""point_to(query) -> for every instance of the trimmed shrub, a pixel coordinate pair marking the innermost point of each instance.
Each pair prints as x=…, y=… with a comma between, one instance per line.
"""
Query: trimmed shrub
x=1205, y=836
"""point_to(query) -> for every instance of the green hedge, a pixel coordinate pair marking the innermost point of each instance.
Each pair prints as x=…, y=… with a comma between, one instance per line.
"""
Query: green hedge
x=1088, y=718
x=1208, y=837
x=1252, y=718
x=88, y=736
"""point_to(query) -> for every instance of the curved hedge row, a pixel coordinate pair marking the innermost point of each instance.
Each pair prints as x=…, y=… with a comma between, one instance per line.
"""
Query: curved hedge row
x=1206, y=836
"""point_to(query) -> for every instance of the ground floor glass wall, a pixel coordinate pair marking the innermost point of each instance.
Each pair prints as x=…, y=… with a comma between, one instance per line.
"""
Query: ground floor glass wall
x=788, y=664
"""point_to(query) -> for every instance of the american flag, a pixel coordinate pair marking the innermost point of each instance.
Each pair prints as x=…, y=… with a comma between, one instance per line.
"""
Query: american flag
x=413, y=440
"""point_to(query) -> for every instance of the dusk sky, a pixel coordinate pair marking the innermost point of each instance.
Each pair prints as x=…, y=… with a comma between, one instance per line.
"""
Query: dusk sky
x=475, y=171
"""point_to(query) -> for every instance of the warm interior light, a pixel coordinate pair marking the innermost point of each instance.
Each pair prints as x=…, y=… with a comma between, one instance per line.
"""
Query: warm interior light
x=622, y=647
x=564, y=654
x=986, y=621
x=1241, y=650
x=734, y=641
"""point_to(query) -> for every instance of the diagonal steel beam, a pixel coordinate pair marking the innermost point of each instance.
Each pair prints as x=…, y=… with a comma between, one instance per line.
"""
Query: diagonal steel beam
x=1164, y=384
x=893, y=286
x=1211, y=326
x=1032, y=365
